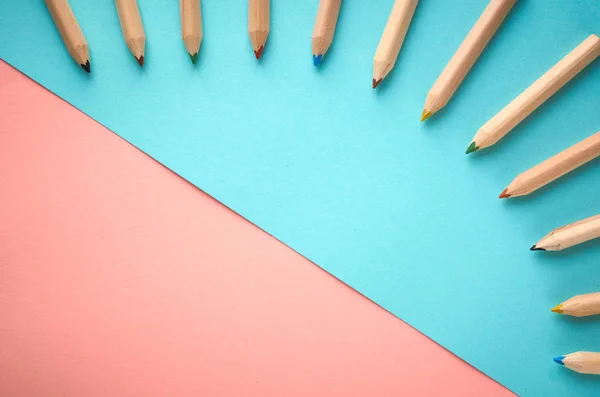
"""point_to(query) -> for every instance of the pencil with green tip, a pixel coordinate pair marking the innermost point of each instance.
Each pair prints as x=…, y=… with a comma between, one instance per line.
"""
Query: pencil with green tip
x=322, y=36
x=191, y=27
x=570, y=235
x=580, y=305
x=582, y=362
x=536, y=94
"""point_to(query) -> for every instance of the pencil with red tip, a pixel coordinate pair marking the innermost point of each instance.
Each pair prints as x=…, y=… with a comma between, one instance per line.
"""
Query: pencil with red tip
x=322, y=36
x=133, y=28
x=191, y=27
x=259, y=21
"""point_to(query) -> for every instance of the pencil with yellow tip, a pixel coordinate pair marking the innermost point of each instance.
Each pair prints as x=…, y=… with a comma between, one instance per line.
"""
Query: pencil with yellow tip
x=466, y=55
x=322, y=36
x=555, y=167
x=259, y=21
x=133, y=28
x=582, y=362
x=392, y=38
x=536, y=94
x=580, y=305
x=570, y=235
x=191, y=27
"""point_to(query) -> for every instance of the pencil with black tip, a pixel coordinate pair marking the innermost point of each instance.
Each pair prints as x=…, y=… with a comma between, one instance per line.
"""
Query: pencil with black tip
x=570, y=235
x=555, y=167
x=392, y=38
x=259, y=21
x=466, y=55
x=322, y=37
x=536, y=94
x=133, y=28
x=582, y=362
x=191, y=27
x=70, y=32
x=580, y=305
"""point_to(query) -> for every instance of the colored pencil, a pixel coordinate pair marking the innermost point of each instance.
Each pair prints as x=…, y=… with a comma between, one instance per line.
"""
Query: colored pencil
x=70, y=32
x=580, y=305
x=570, y=235
x=466, y=55
x=555, y=167
x=259, y=21
x=582, y=362
x=132, y=27
x=191, y=27
x=392, y=38
x=322, y=37
x=536, y=94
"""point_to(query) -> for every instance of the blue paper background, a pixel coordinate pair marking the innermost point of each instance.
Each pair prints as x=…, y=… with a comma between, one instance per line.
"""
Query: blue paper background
x=348, y=176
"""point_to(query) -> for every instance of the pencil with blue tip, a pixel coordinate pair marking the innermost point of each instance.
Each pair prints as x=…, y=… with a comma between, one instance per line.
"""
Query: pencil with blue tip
x=133, y=28
x=582, y=362
x=570, y=235
x=322, y=37
x=580, y=305
x=259, y=21
x=191, y=27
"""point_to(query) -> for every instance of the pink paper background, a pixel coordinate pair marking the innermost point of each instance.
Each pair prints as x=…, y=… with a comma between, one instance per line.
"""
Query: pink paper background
x=118, y=278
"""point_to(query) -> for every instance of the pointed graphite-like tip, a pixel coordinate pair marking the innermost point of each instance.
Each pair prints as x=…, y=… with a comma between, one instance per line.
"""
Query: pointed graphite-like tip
x=194, y=57
x=425, y=115
x=258, y=53
x=317, y=59
x=557, y=308
x=504, y=194
x=376, y=83
x=559, y=360
x=472, y=148
x=86, y=66
x=140, y=60
x=535, y=248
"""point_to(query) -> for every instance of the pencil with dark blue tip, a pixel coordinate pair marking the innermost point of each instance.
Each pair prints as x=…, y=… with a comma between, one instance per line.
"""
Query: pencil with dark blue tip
x=582, y=362
x=322, y=36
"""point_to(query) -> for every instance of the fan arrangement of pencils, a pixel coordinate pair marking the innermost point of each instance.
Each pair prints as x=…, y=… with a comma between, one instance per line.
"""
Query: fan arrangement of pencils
x=439, y=95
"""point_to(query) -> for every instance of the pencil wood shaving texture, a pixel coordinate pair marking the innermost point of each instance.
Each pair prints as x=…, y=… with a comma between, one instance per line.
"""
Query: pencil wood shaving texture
x=570, y=235
x=580, y=305
x=132, y=27
x=582, y=362
x=392, y=38
x=259, y=21
x=322, y=37
x=70, y=31
x=191, y=27
x=466, y=55
x=555, y=167
x=542, y=89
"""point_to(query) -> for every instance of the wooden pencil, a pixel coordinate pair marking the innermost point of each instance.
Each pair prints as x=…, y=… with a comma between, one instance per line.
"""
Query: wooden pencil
x=132, y=27
x=554, y=167
x=570, y=235
x=259, y=21
x=322, y=36
x=392, y=38
x=466, y=55
x=191, y=27
x=70, y=32
x=582, y=362
x=536, y=94
x=580, y=305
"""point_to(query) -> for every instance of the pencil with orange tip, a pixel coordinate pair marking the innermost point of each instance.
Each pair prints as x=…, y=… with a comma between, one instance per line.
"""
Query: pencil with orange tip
x=392, y=38
x=570, y=235
x=132, y=27
x=191, y=27
x=582, y=362
x=466, y=55
x=70, y=32
x=555, y=167
x=259, y=21
x=536, y=94
x=322, y=37
x=580, y=305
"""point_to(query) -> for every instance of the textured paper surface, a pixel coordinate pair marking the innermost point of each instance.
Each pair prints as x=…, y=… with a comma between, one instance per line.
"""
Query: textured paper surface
x=348, y=177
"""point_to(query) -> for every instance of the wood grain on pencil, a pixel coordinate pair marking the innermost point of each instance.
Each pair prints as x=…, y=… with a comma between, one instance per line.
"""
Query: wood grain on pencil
x=132, y=27
x=542, y=89
x=191, y=27
x=322, y=37
x=70, y=32
x=555, y=167
x=582, y=362
x=466, y=55
x=259, y=21
x=570, y=235
x=392, y=38
x=580, y=305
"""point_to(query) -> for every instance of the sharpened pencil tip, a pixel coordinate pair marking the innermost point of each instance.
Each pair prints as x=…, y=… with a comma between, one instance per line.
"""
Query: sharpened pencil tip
x=194, y=57
x=535, y=248
x=559, y=360
x=86, y=66
x=504, y=194
x=472, y=148
x=317, y=59
x=140, y=60
x=557, y=308
x=425, y=115
x=258, y=53
x=376, y=83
